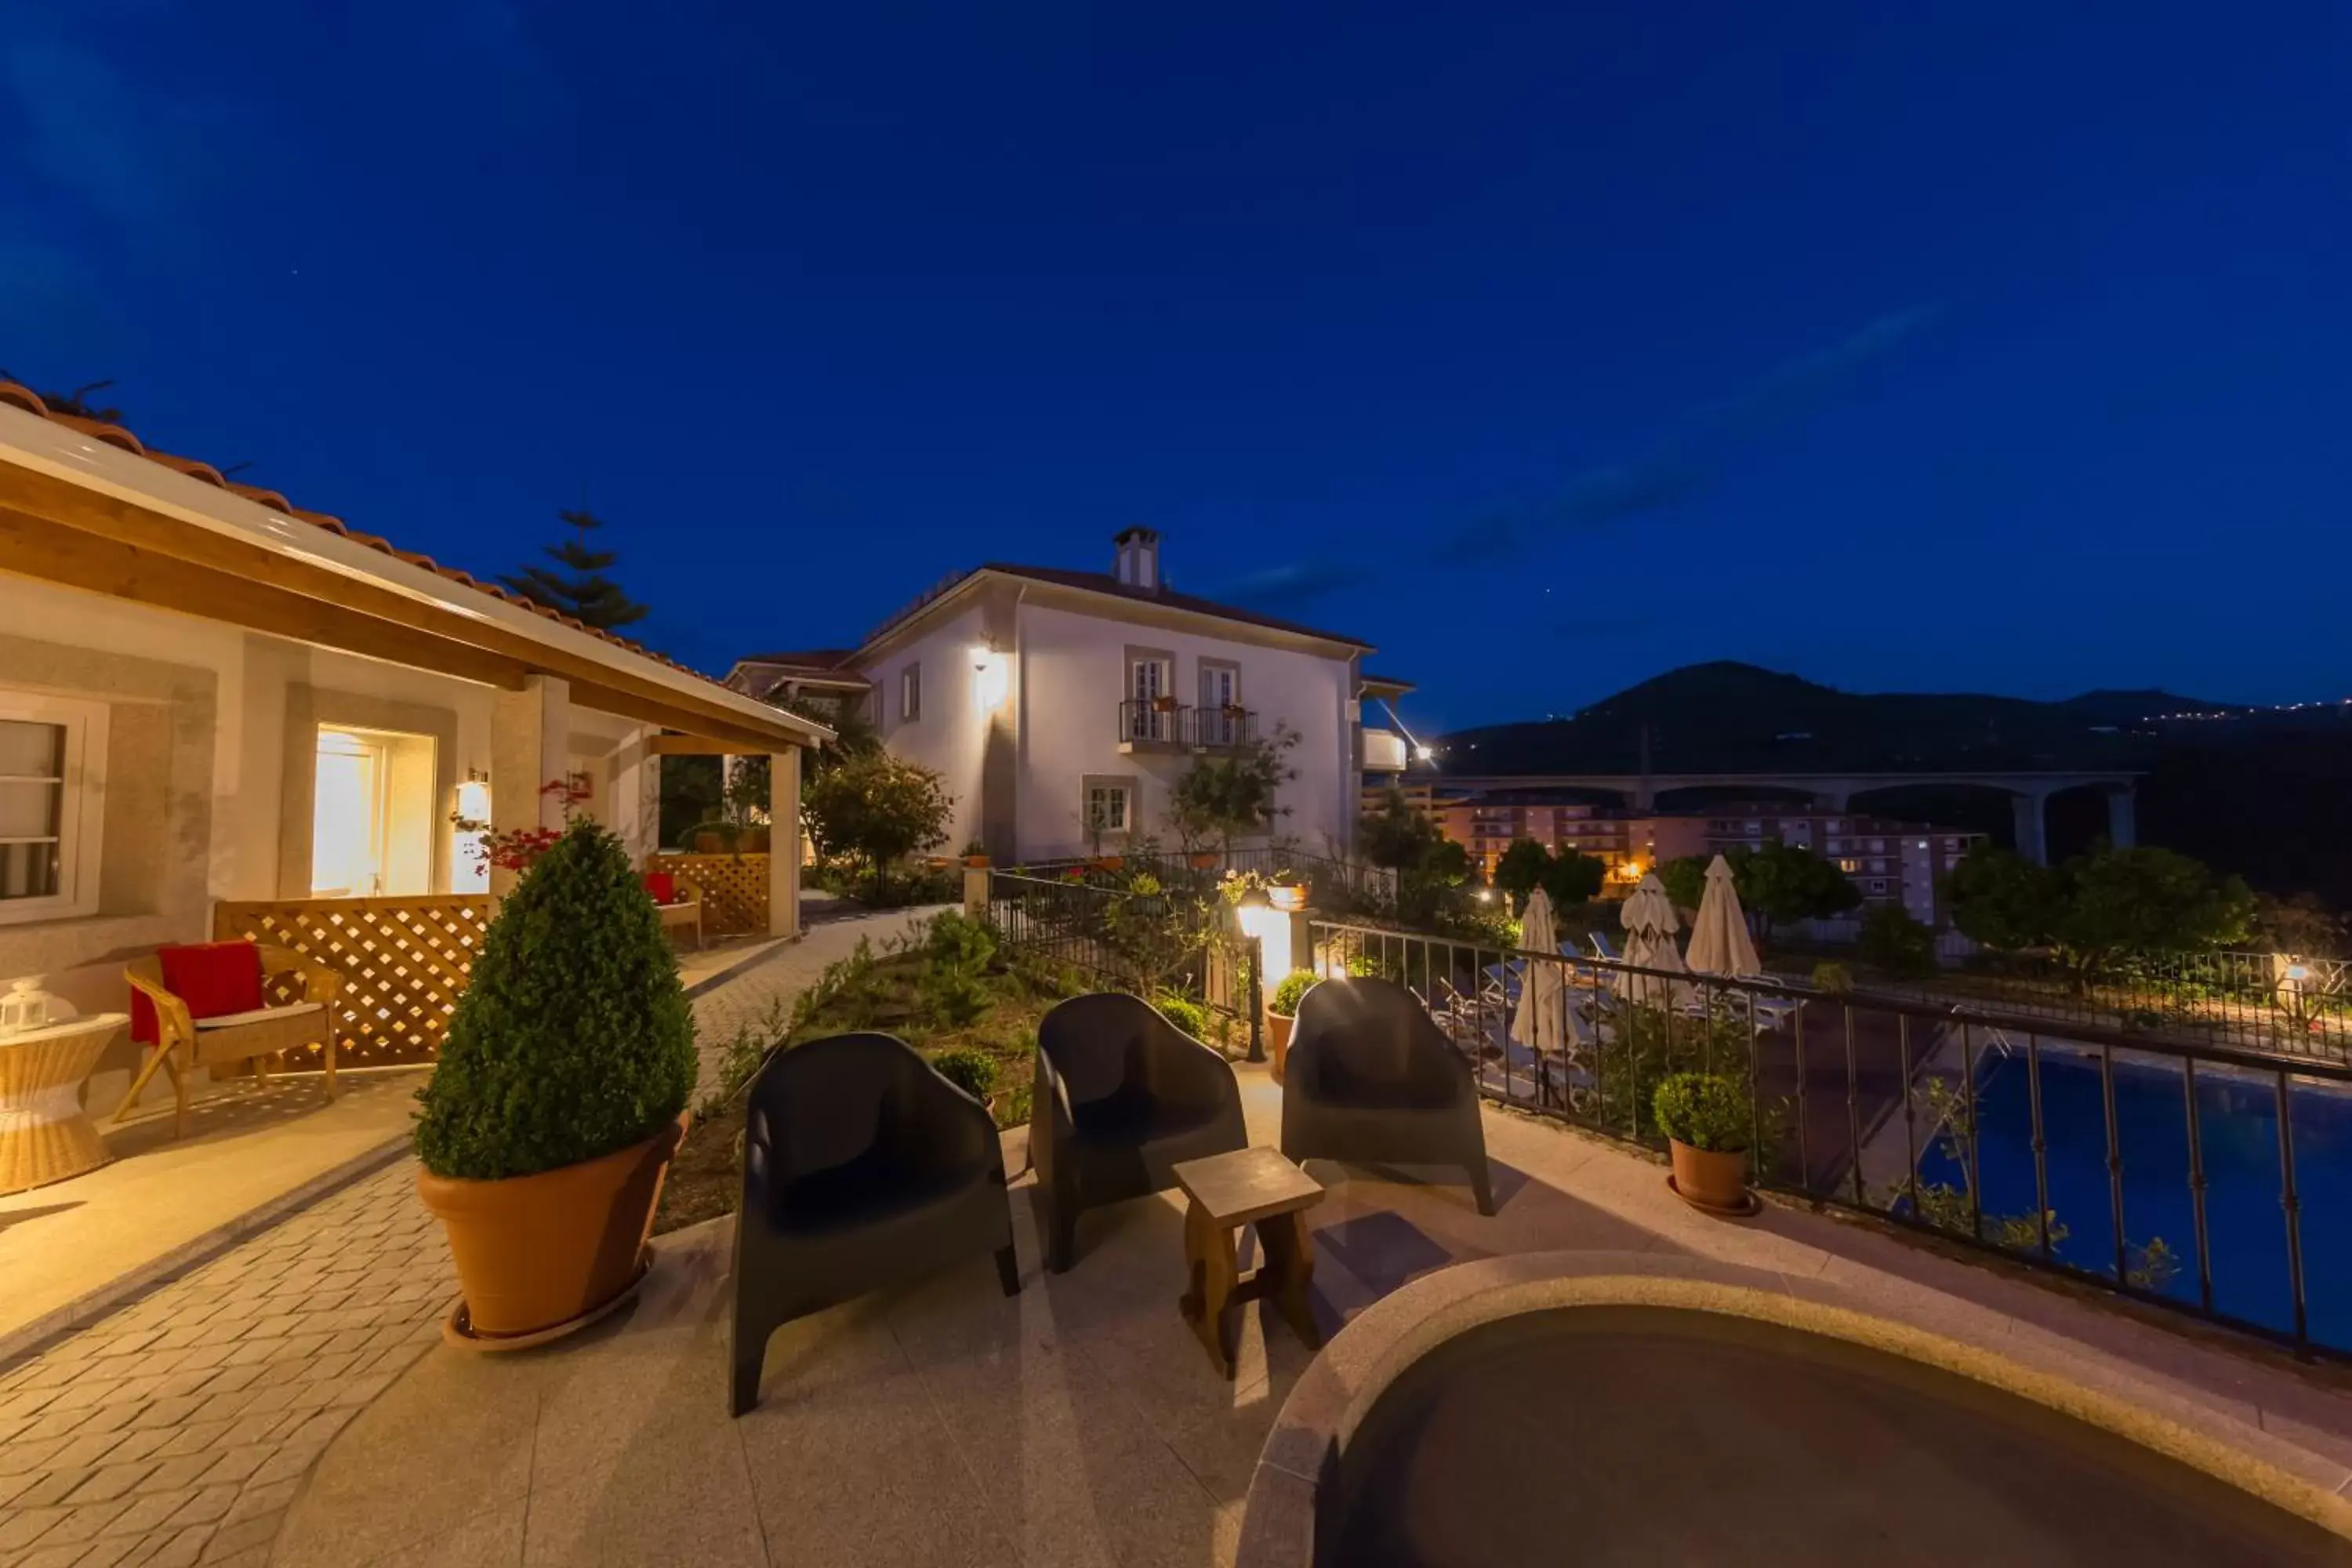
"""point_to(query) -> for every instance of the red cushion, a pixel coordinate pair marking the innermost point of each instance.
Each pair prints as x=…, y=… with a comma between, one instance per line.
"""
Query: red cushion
x=663, y=886
x=211, y=977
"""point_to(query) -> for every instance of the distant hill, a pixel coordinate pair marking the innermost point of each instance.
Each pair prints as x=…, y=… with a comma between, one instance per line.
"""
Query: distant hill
x=1731, y=718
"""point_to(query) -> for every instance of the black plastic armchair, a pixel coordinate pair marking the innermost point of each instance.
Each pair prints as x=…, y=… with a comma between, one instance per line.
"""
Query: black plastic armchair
x=1122, y=1096
x=862, y=1167
x=1373, y=1079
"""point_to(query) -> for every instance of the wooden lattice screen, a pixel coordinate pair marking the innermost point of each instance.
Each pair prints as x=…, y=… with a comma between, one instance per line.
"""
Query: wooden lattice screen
x=734, y=889
x=403, y=961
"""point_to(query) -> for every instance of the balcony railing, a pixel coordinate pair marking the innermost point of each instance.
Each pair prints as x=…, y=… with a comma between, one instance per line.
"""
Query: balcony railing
x=1176, y=727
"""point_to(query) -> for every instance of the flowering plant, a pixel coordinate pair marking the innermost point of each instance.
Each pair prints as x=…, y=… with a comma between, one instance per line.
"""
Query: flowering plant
x=519, y=848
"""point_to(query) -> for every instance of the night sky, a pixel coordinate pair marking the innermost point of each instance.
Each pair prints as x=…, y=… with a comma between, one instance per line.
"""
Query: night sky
x=1904, y=346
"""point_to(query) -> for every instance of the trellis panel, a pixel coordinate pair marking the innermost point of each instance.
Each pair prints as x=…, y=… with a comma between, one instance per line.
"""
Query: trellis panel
x=734, y=889
x=404, y=962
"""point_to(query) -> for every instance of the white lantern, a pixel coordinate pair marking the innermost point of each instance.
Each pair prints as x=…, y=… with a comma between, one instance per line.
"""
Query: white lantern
x=28, y=1007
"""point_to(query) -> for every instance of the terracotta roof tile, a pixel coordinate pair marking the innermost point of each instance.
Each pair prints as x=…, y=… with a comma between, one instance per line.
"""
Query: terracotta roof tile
x=25, y=398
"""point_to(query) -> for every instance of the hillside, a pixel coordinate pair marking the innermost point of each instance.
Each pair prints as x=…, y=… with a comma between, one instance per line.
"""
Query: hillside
x=1728, y=716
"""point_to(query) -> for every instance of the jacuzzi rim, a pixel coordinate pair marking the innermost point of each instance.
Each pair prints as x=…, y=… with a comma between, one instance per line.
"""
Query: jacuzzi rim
x=1360, y=1362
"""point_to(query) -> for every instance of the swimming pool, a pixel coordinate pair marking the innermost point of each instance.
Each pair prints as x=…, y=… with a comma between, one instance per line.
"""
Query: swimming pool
x=2238, y=1138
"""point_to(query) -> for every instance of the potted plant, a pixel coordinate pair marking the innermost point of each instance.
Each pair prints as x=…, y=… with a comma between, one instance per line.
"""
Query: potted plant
x=972, y=1072
x=1708, y=1122
x=558, y=1100
x=752, y=839
x=1163, y=704
x=1281, y=1011
x=715, y=837
x=975, y=855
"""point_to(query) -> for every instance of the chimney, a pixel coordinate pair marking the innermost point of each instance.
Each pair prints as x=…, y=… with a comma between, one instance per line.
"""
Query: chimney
x=1138, y=559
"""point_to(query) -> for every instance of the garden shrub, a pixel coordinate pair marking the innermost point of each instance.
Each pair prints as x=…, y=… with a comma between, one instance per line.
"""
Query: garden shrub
x=1895, y=945
x=1293, y=985
x=974, y=1072
x=1706, y=1110
x=574, y=1039
x=1834, y=978
x=1185, y=1014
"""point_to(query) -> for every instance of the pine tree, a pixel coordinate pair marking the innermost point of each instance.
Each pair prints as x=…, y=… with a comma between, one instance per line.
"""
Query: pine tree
x=582, y=592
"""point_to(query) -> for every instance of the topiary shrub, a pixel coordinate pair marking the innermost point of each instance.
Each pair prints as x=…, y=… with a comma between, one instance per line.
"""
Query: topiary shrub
x=1293, y=985
x=1706, y=1110
x=574, y=1039
x=1184, y=1013
x=974, y=1072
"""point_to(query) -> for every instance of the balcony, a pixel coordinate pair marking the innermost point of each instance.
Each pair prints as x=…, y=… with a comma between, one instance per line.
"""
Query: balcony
x=1161, y=727
x=1384, y=751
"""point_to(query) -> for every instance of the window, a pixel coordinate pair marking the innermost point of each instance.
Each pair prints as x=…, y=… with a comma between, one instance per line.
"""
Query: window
x=1109, y=806
x=371, y=817
x=52, y=771
x=911, y=693
x=1878, y=884
x=1220, y=699
x=1849, y=864
x=1150, y=691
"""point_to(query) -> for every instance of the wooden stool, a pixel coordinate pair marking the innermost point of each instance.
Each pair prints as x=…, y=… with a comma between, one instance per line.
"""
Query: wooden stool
x=1248, y=1186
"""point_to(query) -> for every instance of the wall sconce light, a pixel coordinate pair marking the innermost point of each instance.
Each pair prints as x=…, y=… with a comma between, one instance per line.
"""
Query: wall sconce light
x=990, y=679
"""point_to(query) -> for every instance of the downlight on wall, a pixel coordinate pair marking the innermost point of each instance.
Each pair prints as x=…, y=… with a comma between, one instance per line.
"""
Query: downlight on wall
x=991, y=678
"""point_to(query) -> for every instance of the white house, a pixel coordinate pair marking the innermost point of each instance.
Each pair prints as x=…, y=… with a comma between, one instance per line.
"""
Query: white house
x=208, y=695
x=1049, y=697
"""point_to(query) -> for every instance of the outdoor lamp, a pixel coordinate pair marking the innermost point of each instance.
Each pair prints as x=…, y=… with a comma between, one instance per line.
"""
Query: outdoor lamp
x=1266, y=926
x=990, y=678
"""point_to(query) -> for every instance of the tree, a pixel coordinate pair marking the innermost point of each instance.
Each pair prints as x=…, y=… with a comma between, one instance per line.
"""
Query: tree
x=1521, y=869
x=1566, y=877
x=1232, y=796
x=2145, y=901
x=877, y=809
x=849, y=720
x=1684, y=878
x=2105, y=905
x=582, y=591
x=1574, y=878
x=1397, y=836
x=2300, y=927
x=2002, y=899
x=1782, y=882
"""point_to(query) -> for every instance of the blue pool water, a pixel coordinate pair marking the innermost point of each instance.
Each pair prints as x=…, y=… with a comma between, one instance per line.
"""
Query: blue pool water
x=2246, y=1228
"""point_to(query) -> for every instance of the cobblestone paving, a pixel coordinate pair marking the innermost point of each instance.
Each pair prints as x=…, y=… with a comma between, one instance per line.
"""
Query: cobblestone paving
x=176, y=1430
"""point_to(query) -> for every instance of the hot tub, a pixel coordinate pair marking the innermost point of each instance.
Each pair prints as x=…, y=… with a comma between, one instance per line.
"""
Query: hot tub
x=1624, y=1418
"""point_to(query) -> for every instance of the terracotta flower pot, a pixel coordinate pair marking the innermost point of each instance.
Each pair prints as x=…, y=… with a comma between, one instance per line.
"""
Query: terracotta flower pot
x=753, y=841
x=1204, y=859
x=1710, y=1180
x=709, y=844
x=1277, y=1040
x=977, y=862
x=535, y=1253
x=1109, y=862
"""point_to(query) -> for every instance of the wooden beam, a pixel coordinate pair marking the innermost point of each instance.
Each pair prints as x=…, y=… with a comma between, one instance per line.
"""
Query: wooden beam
x=32, y=548
x=110, y=518
x=701, y=746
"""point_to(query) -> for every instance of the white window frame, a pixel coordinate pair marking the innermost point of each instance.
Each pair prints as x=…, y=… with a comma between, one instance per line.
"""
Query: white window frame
x=1124, y=788
x=911, y=693
x=81, y=824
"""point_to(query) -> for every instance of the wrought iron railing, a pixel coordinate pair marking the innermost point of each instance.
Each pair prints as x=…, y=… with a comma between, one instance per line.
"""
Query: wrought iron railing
x=1324, y=875
x=1175, y=724
x=2254, y=1001
x=2173, y=1172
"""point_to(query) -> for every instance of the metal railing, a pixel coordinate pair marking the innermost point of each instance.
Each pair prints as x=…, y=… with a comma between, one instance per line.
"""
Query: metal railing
x=2168, y=1171
x=1191, y=729
x=2253, y=1001
x=1324, y=875
x=1117, y=936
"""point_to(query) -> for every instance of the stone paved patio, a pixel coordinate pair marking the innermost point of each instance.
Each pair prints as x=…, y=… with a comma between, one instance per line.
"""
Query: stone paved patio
x=176, y=1430
x=1079, y=1423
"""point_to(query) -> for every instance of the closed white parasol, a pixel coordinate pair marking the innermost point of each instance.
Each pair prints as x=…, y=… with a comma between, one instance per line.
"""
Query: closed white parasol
x=1539, y=1022
x=1649, y=921
x=1719, y=942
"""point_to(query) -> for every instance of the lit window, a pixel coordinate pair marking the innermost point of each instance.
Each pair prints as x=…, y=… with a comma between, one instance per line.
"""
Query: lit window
x=371, y=817
x=1849, y=864
x=52, y=767
x=910, y=692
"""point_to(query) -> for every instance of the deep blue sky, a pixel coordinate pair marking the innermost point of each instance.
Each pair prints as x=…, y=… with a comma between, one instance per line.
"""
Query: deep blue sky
x=1904, y=346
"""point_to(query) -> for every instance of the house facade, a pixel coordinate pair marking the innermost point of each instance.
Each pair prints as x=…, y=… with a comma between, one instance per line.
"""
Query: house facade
x=1061, y=706
x=210, y=697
